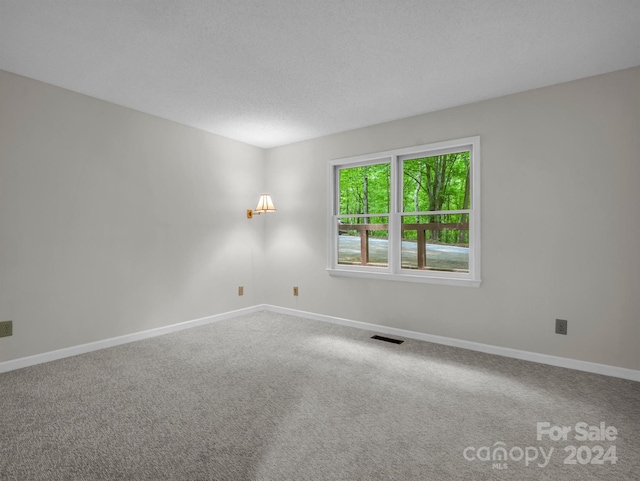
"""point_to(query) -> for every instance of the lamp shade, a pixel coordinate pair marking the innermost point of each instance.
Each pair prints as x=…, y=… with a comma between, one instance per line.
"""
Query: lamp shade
x=265, y=204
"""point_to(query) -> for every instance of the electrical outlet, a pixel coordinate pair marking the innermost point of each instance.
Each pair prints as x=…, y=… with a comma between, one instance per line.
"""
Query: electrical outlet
x=240, y=290
x=6, y=328
x=561, y=326
x=295, y=291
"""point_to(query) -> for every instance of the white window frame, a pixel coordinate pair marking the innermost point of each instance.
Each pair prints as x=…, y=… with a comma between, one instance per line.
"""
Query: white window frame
x=394, y=271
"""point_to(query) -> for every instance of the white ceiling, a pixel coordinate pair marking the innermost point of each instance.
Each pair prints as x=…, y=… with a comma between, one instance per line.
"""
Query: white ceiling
x=272, y=72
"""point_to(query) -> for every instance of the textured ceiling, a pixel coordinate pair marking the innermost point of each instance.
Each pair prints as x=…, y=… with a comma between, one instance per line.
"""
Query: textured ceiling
x=272, y=72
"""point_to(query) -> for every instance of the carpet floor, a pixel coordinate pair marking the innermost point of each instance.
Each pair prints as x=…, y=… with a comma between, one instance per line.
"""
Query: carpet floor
x=266, y=396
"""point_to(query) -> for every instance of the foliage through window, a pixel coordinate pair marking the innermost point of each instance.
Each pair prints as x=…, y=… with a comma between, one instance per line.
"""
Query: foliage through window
x=363, y=238
x=410, y=214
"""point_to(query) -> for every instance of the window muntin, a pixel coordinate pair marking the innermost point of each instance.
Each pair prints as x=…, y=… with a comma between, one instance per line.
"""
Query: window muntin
x=411, y=214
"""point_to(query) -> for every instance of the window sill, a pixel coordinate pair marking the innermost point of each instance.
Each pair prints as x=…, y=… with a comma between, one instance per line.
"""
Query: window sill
x=431, y=279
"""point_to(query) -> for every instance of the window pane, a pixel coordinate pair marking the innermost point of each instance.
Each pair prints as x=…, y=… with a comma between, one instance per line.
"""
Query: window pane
x=365, y=190
x=363, y=241
x=440, y=182
x=435, y=242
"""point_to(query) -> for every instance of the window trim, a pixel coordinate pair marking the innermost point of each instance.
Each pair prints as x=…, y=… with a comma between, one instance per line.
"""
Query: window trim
x=394, y=271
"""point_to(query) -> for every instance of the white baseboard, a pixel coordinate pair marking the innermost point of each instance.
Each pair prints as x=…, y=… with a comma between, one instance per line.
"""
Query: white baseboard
x=613, y=371
x=586, y=366
x=116, y=341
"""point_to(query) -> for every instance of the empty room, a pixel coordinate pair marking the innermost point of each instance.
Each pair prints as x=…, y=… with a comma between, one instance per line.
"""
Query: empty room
x=336, y=240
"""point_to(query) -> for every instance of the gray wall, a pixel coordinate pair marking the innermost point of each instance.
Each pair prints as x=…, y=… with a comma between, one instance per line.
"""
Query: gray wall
x=114, y=222
x=560, y=224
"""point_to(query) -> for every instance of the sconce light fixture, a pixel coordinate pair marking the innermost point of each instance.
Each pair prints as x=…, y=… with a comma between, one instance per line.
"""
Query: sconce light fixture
x=265, y=204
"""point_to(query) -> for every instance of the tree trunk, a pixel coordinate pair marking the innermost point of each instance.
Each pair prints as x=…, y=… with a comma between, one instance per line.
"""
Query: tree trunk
x=416, y=198
x=366, y=198
x=435, y=201
x=465, y=205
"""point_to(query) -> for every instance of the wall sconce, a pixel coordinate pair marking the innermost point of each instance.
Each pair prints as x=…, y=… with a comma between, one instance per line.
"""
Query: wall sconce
x=265, y=204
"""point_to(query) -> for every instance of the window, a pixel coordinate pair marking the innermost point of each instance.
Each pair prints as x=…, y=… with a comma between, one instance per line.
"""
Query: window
x=411, y=214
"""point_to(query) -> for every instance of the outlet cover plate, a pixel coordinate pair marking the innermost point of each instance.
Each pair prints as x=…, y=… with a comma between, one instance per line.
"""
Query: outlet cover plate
x=6, y=328
x=561, y=326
